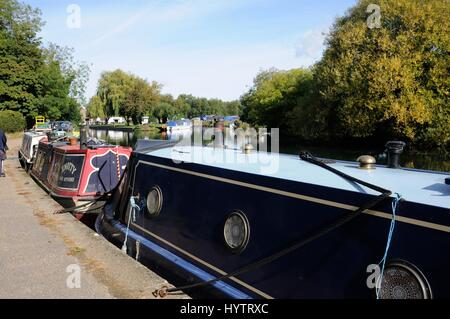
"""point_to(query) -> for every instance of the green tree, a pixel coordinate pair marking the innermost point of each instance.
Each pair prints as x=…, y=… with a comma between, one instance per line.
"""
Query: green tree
x=76, y=72
x=391, y=81
x=125, y=94
x=52, y=98
x=113, y=88
x=73, y=111
x=96, y=108
x=20, y=57
x=11, y=121
x=307, y=120
x=36, y=80
x=165, y=109
x=141, y=99
x=232, y=108
x=274, y=95
x=191, y=106
x=183, y=107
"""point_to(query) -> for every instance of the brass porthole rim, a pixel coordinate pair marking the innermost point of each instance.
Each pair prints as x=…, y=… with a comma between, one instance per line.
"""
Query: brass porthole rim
x=160, y=202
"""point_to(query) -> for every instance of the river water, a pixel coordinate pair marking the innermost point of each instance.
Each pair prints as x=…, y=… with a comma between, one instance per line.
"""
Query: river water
x=427, y=161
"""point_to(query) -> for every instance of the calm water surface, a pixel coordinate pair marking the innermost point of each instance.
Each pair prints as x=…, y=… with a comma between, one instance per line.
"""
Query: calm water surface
x=429, y=161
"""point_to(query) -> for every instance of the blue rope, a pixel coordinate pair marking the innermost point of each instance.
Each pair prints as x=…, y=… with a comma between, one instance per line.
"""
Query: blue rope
x=134, y=207
x=382, y=263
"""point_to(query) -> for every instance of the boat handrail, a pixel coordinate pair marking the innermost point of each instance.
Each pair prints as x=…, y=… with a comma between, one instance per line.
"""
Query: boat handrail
x=145, y=146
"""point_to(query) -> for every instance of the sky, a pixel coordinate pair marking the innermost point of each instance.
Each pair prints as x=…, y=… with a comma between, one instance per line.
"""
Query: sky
x=208, y=48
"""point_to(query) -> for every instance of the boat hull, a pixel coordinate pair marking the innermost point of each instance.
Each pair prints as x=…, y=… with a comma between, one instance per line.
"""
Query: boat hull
x=197, y=199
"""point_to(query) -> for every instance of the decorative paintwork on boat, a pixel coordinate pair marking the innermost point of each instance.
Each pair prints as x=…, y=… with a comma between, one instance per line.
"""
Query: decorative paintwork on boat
x=43, y=162
x=76, y=174
x=200, y=217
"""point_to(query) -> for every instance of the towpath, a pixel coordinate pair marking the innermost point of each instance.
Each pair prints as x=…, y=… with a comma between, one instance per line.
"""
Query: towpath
x=44, y=255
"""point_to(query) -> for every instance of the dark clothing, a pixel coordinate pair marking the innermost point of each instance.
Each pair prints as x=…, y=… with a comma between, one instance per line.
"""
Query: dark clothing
x=3, y=140
x=2, y=174
x=3, y=149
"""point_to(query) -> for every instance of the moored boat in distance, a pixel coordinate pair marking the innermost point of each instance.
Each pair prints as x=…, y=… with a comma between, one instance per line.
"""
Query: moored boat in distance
x=81, y=173
x=27, y=151
x=278, y=226
x=182, y=125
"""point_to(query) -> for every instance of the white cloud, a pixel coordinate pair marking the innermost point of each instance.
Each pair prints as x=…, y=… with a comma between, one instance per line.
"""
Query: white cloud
x=311, y=45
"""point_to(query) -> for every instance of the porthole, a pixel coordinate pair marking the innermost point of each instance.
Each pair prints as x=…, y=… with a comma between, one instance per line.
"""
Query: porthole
x=401, y=280
x=154, y=201
x=236, y=232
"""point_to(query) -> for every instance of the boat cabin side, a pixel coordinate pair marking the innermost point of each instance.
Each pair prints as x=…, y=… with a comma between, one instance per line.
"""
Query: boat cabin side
x=86, y=173
x=29, y=146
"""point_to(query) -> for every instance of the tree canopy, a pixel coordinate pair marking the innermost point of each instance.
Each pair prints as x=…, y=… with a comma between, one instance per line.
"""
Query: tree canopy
x=35, y=80
x=382, y=80
x=124, y=94
x=388, y=81
x=391, y=81
x=274, y=94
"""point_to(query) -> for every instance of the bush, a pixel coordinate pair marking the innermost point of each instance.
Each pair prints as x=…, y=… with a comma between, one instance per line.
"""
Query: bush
x=11, y=121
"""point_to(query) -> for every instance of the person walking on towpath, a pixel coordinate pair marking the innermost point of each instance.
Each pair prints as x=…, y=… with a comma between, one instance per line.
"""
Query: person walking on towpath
x=3, y=149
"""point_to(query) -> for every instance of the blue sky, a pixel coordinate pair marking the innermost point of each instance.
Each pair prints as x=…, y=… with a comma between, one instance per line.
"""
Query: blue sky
x=210, y=48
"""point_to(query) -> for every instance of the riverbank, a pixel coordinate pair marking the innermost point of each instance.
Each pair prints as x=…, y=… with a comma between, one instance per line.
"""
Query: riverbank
x=40, y=250
x=434, y=160
x=128, y=128
x=122, y=128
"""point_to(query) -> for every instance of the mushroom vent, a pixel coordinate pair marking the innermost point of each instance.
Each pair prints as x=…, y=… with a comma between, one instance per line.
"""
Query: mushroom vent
x=367, y=162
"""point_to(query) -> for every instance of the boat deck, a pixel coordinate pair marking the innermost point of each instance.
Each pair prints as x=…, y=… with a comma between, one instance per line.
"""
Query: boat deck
x=414, y=185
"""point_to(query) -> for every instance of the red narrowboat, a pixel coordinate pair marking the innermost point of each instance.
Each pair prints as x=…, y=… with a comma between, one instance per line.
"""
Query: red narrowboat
x=76, y=175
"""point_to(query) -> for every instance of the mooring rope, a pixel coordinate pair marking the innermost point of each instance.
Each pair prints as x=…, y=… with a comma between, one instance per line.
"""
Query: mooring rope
x=382, y=263
x=134, y=207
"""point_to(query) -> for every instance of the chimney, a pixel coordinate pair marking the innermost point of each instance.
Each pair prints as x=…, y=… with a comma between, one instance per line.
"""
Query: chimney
x=394, y=150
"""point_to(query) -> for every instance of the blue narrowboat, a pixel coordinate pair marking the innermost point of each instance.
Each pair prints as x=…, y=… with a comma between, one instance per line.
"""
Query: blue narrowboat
x=181, y=125
x=246, y=224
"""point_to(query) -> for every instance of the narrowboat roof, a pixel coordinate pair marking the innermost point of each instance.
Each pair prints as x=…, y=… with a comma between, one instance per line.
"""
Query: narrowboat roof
x=35, y=134
x=419, y=186
x=70, y=149
x=48, y=144
x=76, y=148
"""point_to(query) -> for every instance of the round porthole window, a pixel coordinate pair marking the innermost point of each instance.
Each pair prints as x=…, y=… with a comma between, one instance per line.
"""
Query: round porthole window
x=402, y=280
x=236, y=231
x=154, y=201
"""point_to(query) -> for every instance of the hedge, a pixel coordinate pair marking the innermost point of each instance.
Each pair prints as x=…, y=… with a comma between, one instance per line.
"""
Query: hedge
x=11, y=121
